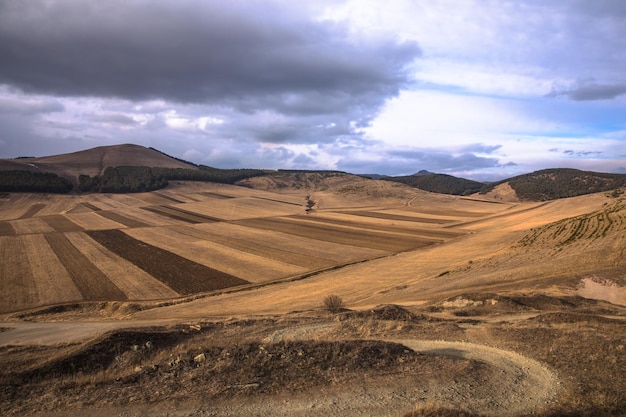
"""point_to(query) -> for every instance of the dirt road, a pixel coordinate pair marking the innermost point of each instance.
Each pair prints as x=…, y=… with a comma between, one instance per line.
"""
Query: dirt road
x=512, y=384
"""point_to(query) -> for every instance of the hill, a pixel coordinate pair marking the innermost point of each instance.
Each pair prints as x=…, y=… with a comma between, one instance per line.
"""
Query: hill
x=552, y=184
x=95, y=161
x=439, y=183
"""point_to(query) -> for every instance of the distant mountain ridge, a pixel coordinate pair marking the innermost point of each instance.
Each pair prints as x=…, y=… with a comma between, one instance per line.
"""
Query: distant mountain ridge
x=439, y=183
x=107, y=168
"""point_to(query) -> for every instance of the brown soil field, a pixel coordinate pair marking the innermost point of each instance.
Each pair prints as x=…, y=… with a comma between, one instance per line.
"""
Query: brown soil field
x=180, y=274
x=347, y=236
x=452, y=306
x=6, y=229
x=34, y=209
x=60, y=223
x=31, y=225
x=121, y=219
x=263, y=250
x=89, y=280
x=180, y=214
x=135, y=283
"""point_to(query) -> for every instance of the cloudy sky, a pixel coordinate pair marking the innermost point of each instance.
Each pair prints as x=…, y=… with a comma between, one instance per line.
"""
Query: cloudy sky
x=482, y=89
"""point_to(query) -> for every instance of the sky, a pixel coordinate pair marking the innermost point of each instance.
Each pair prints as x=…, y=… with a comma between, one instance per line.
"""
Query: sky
x=480, y=89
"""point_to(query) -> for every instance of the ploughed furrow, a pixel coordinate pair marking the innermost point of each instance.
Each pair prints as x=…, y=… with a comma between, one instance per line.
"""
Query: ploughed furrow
x=217, y=195
x=90, y=281
x=182, y=275
x=425, y=233
x=246, y=245
x=126, y=221
x=60, y=223
x=398, y=217
x=34, y=209
x=331, y=233
x=6, y=229
x=17, y=285
x=167, y=197
x=92, y=207
x=181, y=214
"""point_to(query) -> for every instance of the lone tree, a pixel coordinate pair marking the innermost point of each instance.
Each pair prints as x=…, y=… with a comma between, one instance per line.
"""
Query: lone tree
x=309, y=204
x=333, y=303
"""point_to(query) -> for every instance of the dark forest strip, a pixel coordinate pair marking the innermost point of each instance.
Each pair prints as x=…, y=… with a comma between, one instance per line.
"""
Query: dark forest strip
x=90, y=281
x=182, y=275
x=126, y=221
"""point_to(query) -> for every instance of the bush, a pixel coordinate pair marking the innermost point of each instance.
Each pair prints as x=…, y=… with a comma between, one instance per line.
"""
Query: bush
x=333, y=303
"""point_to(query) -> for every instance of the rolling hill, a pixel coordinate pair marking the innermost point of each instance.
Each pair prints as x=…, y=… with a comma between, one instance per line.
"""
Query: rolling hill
x=552, y=184
x=94, y=161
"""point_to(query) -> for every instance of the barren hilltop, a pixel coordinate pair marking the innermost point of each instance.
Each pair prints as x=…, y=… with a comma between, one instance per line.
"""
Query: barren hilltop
x=308, y=293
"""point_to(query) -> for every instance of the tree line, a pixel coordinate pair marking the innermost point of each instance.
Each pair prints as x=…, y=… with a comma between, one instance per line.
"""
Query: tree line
x=33, y=182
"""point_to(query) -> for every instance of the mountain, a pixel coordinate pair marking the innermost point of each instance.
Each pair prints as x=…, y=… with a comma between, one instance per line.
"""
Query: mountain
x=552, y=184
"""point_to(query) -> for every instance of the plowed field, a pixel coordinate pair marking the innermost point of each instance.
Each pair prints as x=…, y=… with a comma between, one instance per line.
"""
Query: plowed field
x=195, y=238
x=180, y=274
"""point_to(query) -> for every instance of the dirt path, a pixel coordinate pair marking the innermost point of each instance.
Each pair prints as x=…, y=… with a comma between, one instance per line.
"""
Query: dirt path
x=518, y=384
x=515, y=384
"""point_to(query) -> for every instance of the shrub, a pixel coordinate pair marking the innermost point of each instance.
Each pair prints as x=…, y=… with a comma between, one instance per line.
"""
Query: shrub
x=333, y=303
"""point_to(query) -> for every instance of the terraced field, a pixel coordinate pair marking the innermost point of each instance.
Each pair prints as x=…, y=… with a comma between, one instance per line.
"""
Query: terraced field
x=193, y=238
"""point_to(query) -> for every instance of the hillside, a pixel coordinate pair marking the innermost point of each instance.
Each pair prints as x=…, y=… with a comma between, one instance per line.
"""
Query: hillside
x=552, y=184
x=95, y=161
x=439, y=183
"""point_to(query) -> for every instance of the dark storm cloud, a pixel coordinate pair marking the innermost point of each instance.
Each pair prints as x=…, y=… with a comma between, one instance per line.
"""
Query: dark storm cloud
x=32, y=107
x=246, y=56
x=590, y=91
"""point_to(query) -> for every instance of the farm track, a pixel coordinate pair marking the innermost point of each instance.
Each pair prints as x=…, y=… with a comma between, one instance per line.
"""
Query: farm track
x=354, y=237
x=90, y=281
x=182, y=275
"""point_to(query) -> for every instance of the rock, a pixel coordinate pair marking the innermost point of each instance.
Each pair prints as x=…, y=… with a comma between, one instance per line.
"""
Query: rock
x=199, y=358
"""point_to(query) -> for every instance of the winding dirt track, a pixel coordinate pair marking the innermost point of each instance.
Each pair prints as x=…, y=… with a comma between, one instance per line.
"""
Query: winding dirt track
x=516, y=385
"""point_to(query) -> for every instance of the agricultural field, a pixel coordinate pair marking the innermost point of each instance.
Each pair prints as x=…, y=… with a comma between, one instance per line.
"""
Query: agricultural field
x=207, y=299
x=191, y=239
